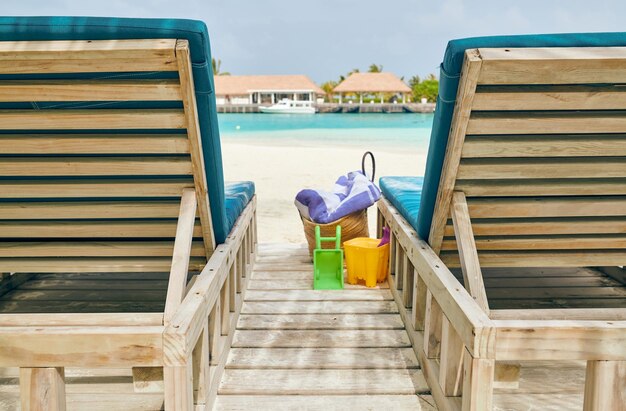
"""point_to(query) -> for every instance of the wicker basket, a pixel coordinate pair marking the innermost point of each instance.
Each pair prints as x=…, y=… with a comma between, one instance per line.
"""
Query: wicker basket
x=352, y=226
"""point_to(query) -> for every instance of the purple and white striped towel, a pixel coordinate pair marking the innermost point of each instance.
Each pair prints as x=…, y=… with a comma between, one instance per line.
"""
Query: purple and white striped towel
x=351, y=193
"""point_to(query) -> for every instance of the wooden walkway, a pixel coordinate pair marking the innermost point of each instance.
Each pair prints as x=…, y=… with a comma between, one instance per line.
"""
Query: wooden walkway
x=296, y=348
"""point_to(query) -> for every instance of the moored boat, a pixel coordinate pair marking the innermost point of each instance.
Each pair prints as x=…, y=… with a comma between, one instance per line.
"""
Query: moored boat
x=287, y=106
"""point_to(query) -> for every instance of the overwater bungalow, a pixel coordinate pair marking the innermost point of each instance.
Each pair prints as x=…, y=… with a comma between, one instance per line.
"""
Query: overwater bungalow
x=376, y=85
x=132, y=277
x=265, y=89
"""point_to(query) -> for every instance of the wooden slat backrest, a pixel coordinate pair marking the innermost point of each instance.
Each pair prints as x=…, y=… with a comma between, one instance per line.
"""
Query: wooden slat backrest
x=538, y=147
x=98, y=140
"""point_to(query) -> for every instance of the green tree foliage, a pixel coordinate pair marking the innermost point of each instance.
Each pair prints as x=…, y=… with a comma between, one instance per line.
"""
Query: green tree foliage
x=427, y=88
x=414, y=81
x=375, y=68
x=328, y=89
x=217, y=65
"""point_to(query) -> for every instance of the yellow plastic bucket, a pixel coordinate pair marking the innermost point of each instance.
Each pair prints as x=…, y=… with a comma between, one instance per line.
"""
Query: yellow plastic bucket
x=366, y=261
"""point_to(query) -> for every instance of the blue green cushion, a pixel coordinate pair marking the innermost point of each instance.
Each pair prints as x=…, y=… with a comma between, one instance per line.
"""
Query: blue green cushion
x=101, y=28
x=405, y=194
x=238, y=195
x=449, y=81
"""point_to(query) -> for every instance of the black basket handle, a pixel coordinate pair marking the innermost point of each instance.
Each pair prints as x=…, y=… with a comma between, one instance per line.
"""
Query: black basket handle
x=369, y=153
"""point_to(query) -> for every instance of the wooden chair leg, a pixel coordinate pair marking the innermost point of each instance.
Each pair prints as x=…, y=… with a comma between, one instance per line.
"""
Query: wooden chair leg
x=451, y=363
x=42, y=389
x=478, y=375
x=605, y=386
x=178, y=380
x=419, y=302
x=432, y=327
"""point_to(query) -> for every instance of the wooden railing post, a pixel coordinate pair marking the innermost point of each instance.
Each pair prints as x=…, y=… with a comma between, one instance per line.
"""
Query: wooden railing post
x=478, y=376
x=255, y=237
x=225, y=308
x=215, y=332
x=232, y=288
x=392, y=253
x=245, y=244
x=432, y=327
x=605, y=386
x=178, y=380
x=201, y=368
x=408, y=275
x=451, y=363
x=42, y=389
x=419, y=302
x=399, y=266
x=240, y=270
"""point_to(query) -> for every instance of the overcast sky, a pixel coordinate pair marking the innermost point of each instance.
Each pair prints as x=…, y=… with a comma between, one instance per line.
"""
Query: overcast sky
x=326, y=38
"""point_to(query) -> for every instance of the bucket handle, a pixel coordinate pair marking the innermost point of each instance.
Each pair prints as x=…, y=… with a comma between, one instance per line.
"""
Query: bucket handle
x=368, y=153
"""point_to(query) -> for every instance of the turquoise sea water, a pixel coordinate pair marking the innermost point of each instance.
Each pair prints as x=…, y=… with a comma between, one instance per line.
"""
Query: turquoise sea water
x=394, y=130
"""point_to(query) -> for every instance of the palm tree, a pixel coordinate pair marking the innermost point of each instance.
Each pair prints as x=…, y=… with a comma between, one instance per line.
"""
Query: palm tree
x=328, y=88
x=217, y=65
x=342, y=78
x=414, y=81
x=375, y=68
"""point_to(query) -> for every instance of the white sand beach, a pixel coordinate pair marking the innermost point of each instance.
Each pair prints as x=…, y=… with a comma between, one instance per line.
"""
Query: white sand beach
x=280, y=171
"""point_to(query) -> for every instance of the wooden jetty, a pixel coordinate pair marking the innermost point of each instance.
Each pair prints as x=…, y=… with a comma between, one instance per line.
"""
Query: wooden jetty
x=294, y=348
x=342, y=108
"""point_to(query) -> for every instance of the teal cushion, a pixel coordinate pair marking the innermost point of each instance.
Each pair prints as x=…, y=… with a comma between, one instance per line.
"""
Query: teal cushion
x=238, y=195
x=405, y=194
x=104, y=28
x=449, y=81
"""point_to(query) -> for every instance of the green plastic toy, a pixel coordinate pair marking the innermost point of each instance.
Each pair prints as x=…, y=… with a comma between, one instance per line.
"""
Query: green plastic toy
x=327, y=263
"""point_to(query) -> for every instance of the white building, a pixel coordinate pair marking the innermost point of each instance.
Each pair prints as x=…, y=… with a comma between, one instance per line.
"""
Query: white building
x=265, y=89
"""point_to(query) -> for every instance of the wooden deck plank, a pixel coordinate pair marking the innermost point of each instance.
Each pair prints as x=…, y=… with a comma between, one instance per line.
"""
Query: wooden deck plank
x=321, y=358
x=282, y=275
x=321, y=307
x=300, y=284
x=314, y=295
x=98, y=402
x=320, y=338
x=328, y=402
x=320, y=322
x=291, y=339
x=322, y=382
x=551, y=401
x=284, y=266
x=40, y=306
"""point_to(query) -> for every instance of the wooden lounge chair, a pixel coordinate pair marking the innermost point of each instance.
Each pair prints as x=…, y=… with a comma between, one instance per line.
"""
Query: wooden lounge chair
x=118, y=245
x=525, y=189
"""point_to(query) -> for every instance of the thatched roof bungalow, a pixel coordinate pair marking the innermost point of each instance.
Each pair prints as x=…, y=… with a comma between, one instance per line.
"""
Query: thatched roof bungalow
x=264, y=89
x=372, y=83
